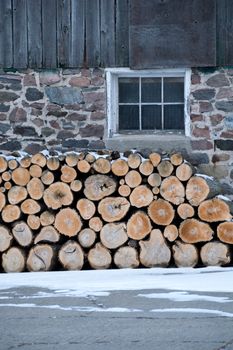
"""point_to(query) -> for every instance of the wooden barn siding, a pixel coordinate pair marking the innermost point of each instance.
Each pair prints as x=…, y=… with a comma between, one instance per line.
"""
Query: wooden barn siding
x=82, y=33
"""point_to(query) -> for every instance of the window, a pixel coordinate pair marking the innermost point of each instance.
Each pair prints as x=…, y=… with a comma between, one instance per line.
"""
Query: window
x=147, y=102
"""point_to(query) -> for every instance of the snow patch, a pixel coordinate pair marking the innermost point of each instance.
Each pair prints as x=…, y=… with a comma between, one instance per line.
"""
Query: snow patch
x=196, y=311
x=185, y=296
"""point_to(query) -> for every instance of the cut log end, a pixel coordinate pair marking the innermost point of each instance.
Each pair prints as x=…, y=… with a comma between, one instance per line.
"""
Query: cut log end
x=71, y=256
x=215, y=254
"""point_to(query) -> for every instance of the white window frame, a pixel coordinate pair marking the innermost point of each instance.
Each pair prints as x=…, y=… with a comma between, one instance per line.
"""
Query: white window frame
x=112, y=76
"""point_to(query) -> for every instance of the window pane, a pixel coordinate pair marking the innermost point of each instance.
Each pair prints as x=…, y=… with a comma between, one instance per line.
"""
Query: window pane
x=128, y=90
x=128, y=118
x=173, y=89
x=151, y=90
x=174, y=117
x=151, y=117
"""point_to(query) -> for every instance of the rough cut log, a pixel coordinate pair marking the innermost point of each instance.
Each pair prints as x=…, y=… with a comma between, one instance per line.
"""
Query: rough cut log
x=122, y=182
x=0, y=179
x=184, y=254
x=215, y=254
x=96, y=224
x=138, y=226
x=120, y=167
x=113, y=235
x=25, y=162
x=5, y=238
x=12, y=164
x=99, y=186
x=225, y=232
x=35, y=170
x=185, y=211
x=172, y=190
x=155, y=158
x=35, y=188
x=57, y=195
x=124, y=190
x=72, y=159
x=154, y=180
x=194, y=231
x=22, y=234
x=87, y=237
x=47, y=234
x=68, y=174
x=133, y=178
x=10, y=213
x=176, y=159
x=155, y=190
x=40, y=258
x=198, y=189
x=47, y=218
x=76, y=185
x=171, y=233
x=102, y=166
x=134, y=160
x=33, y=222
x=71, y=256
x=7, y=185
x=213, y=210
x=161, y=212
x=68, y=222
x=2, y=201
x=126, y=257
x=86, y=208
x=113, y=208
x=99, y=257
x=141, y=196
x=30, y=206
x=6, y=176
x=184, y=172
x=13, y=260
x=21, y=176
x=53, y=163
x=83, y=166
x=90, y=158
x=47, y=177
x=165, y=168
x=3, y=164
x=146, y=168
x=39, y=159
x=155, y=251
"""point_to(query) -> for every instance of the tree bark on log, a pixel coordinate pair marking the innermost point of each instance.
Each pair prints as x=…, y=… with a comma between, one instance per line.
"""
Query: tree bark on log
x=99, y=186
x=126, y=257
x=225, y=232
x=138, y=225
x=47, y=234
x=57, y=195
x=215, y=254
x=113, y=209
x=194, y=231
x=113, y=235
x=99, y=257
x=68, y=222
x=213, y=210
x=172, y=190
x=5, y=238
x=13, y=260
x=87, y=237
x=184, y=254
x=22, y=234
x=71, y=256
x=161, y=212
x=40, y=258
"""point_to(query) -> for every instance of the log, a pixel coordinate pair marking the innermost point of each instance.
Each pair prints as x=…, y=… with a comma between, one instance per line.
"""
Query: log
x=33, y=222
x=225, y=232
x=154, y=180
x=133, y=178
x=17, y=194
x=155, y=190
x=155, y=159
x=86, y=208
x=161, y=212
x=185, y=211
x=120, y=167
x=40, y=258
x=215, y=254
x=102, y=166
x=99, y=186
x=87, y=237
x=155, y=252
x=99, y=257
x=2, y=201
x=83, y=166
x=184, y=254
x=35, y=188
x=124, y=190
x=47, y=218
x=5, y=238
x=25, y=162
x=21, y=176
x=30, y=206
x=126, y=257
x=122, y=182
x=134, y=160
x=39, y=159
x=172, y=190
x=113, y=235
x=57, y=195
x=113, y=208
x=13, y=260
x=6, y=176
x=22, y=234
x=47, y=177
x=68, y=222
x=71, y=256
x=198, y=189
x=96, y=224
x=7, y=185
x=53, y=163
x=90, y=158
x=176, y=159
x=194, y=231
x=184, y=172
x=141, y=196
x=213, y=210
x=138, y=225
x=68, y=174
x=47, y=234
x=146, y=168
x=10, y=213
x=72, y=159
x=12, y=164
x=165, y=168
x=35, y=170
x=3, y=164
x=171, y=233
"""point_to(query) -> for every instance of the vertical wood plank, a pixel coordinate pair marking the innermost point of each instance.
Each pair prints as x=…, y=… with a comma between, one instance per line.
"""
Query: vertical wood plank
x=63, y=32
x=34, y=34
x=20, y=47
x=224, y=31
x=76, y=56
x=92, y=33
x=49, y=34
x=122, y=33
x=6, y=43
x=107, y=30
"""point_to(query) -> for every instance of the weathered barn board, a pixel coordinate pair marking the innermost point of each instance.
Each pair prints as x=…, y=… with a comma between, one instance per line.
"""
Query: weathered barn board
x=107, y=30
x=92, y=58
x=77, y=33
x=224, y=32
x=172, y=33
x=6, y=45
x=20, y=52
x=63, y=32
x=49, y=34
x=122, y=33
x=34, y=33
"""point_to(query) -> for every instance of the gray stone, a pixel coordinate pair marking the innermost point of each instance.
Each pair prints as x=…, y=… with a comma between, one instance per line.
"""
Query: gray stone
x=205, y=107
x=96, y=144
x=224, y=145
x=217, y=171
x=15, y=87
x=8, y=80
x=218, y=80
x=70, y=71
x=62, y=95
x=224, y=93
x=29, y=80
x=3, y=116
x=33, y=94
x=4, y=128
x=6, y=96
x=75, y=144
x=25, y=131
x=49, y=77
x=4, y=108
x=197, y=158
x=1, y=86
x=77, y=117
x=226, y=188
x=231, y=174
x=11, y=146
x=37, y=105
x=228, y=121
x=58, y=113
x=92, y=130
x=46, y=131
x=204, y=94
x=226, y=106
x=64, y=134
x=66, y=125
x=34, y=148
x=18, y=115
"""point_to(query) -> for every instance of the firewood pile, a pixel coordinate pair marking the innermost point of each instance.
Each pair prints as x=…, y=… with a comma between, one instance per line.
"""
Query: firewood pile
x=88, y=210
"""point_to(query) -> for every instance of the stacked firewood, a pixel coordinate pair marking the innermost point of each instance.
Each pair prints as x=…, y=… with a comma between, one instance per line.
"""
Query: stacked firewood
x=89, y=210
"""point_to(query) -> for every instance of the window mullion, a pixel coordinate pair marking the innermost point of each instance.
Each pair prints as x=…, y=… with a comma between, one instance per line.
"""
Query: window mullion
x=140, y=103
x=162, y=104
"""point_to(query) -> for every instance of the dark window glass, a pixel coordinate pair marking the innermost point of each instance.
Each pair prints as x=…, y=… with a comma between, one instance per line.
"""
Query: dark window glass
x=174, y=117
x=151, y=89
x=173, y=89
x=128, y=118
x=151, y=117
x=128, y=90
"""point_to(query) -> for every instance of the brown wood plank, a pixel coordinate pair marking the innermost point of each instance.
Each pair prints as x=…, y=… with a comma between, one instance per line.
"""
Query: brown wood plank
x=76, y=55
x=6, y=44
x=34, y=33
x=92, y=33
x=20, y=45
x=49, y=34
x=224, y=33
x=63, y=32
x=107, y=30
x=122, y=33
